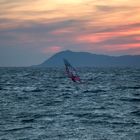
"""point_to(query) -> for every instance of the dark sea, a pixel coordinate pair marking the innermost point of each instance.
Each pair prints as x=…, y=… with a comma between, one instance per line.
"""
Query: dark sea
x=43, y=104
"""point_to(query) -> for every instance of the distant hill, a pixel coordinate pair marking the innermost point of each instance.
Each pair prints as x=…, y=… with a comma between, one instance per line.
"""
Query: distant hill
x=91, y=60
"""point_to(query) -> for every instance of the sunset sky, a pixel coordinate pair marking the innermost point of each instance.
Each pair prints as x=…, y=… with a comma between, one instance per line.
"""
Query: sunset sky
x=33, y=30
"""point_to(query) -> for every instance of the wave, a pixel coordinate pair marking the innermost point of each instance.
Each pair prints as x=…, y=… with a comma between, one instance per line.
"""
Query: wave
x=130, y=99
x=94, y=91
x=18, y=129
x=128, y=87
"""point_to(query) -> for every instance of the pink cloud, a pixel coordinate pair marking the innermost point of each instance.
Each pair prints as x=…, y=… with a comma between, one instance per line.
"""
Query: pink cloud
x=92, y=38
x=121, y=47
x=52, y=49
x=61, y=31
x=99, y=37
x=137, y=38
x=111, y=49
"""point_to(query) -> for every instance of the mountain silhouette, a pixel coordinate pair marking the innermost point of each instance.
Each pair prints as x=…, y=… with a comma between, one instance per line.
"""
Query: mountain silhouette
x=81, y=59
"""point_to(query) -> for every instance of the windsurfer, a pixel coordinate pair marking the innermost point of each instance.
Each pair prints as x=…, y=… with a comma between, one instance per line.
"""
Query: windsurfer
x=71, y=72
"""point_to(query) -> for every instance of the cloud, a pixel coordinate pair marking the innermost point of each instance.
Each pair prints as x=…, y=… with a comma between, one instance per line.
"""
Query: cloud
x=107, y=8
x=51, y=49
x=46, y=27
x=62, y=31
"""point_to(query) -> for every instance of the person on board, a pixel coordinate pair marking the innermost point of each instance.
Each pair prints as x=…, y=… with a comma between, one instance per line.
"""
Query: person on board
x=75, y=78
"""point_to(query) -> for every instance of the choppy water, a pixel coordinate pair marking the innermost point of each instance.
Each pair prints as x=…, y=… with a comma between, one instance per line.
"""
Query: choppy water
x=43, y=104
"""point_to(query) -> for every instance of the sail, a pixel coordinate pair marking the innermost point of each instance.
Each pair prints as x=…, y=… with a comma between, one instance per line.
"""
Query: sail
x=71, y=72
